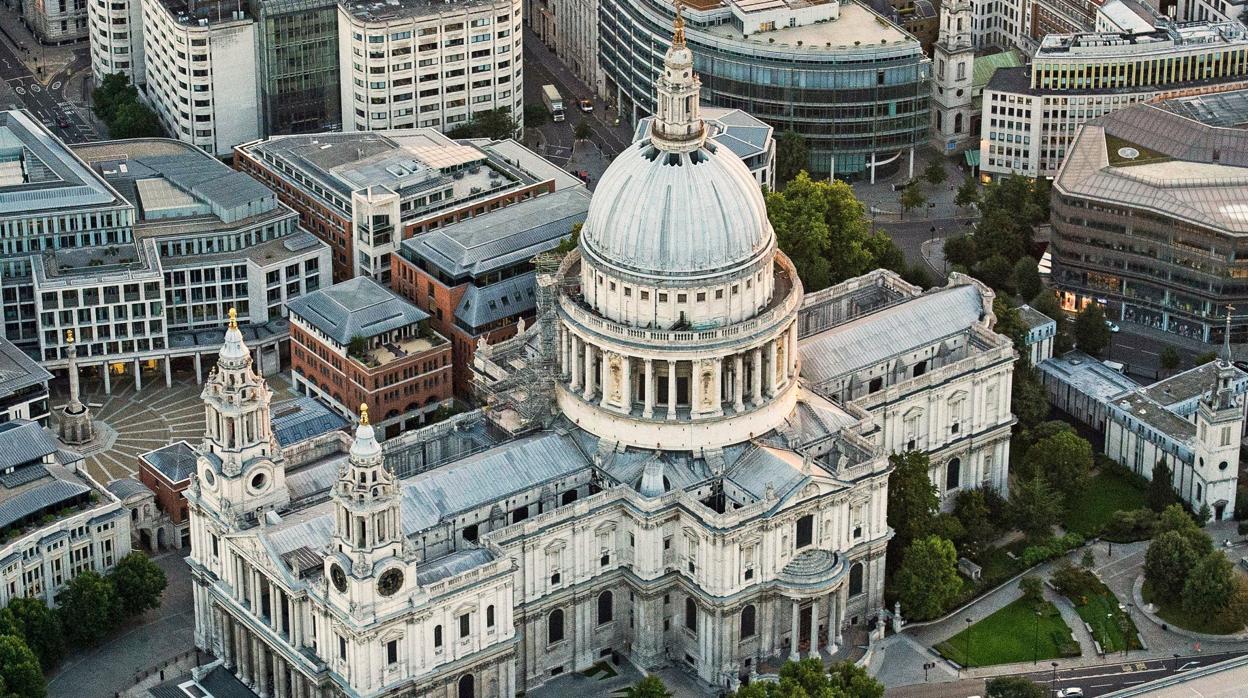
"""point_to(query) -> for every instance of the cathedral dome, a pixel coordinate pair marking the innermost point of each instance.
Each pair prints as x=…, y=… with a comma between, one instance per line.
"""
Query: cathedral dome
x=662, y=213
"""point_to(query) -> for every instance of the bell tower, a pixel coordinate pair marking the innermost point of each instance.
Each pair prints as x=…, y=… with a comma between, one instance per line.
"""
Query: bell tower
x=678, y=125
x=1219, y=428
x=240, y=473
x=953, y=60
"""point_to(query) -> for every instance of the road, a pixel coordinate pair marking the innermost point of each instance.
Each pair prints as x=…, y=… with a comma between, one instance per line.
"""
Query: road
x=542, y=67
x=47, y=101
x=1095, y=680
x=911, y=234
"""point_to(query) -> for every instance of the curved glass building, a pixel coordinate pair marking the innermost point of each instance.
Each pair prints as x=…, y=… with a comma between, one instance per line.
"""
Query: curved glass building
x=853, y=83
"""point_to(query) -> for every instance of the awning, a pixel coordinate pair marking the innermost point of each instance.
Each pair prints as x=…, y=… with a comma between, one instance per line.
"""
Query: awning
x=972, y=157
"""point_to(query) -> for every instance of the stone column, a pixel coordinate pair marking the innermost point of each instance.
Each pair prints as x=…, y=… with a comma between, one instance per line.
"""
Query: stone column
x=199, y=370
x=671, y=390
x=648, y=411
x=262, y=668
x=756, y=379
x=244, y=654
x=770, y=376
x=589, y=372
x=626, y=389
x=718, y=385
x=168, y=373
x=648, y=647
x=832, y=623
x=138, y=377
x=794, y=655
x=738, y=382
x=574, y=362
x=793, y=363
x=108, y=379
x=842, y=598
x=695, y=387
x=281, y=687
x=814, y=627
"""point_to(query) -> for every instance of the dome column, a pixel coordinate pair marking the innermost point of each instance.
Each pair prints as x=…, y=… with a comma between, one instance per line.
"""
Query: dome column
x=756, y=376
x=589, y=372
x=671, y=390
x=770, y=376
x=648, y=391
x=738, y=382
x=574, y=361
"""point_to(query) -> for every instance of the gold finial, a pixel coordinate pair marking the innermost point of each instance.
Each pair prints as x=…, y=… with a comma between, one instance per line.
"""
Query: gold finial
x=363, y=414
x=678, y=27
x=233, y=319
x=69, y=336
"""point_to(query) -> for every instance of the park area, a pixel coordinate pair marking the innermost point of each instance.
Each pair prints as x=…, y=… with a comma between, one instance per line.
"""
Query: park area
x=1023, y=631
x=1107, y=491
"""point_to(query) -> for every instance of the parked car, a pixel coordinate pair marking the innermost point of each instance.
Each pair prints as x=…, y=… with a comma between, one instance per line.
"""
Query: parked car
x=586, y=105
x=1112, y=327
x=62, y=122
x=1070, y=693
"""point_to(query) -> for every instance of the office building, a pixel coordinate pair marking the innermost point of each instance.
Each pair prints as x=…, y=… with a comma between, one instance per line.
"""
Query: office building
x=56, y=21
x=416, y=63
x=851, y=82
x=1030, y=114
x=365, y=192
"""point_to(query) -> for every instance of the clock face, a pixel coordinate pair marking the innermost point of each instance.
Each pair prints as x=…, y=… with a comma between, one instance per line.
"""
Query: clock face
x=338, y=577
x=391, y=581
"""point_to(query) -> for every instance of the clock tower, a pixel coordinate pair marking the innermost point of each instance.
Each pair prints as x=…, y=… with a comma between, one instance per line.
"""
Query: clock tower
x=953, y=60
x=367, y=544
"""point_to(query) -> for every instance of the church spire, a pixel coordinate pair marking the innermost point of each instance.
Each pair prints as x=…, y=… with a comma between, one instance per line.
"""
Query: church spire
x=367, y=518
x=1226, y=337
x=234, y=353
x=678, y=125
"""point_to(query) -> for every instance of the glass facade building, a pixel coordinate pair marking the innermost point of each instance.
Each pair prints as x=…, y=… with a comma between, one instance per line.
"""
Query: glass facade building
x=298, y=65
x=856, y=87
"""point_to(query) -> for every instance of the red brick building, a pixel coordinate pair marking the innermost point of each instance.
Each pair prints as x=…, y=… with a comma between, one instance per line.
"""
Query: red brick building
x=355, y=190
x=167, y=472
x=356, y=342
x=476, y=279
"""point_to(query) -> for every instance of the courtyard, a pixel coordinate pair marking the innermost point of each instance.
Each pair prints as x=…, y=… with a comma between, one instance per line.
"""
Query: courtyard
x=133, y=422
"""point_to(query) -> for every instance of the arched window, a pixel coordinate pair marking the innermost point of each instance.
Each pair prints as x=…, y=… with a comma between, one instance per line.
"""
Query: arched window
x=805, y=530
x=606, y=607
x=691, y=614
x=855, y=579
x=437, y=636
x=554, y=627
x=957, y=118
x=953, y=474
x=467, y=686
x=747, y=621
x=489, y=616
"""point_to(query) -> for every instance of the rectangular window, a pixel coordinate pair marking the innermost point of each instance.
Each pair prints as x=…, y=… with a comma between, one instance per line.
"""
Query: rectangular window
x=464, y=625
x=392, y=652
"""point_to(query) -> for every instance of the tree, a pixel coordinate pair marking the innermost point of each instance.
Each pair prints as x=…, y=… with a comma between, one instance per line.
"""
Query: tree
x=139, y=583
x=853, y=681
x=995, y=271
x=1036, y=507
x=112, y=91
x=1210, y=586
x=807, y=678
x=1204, y=358
x=1046, y=303
x=911, y=197
x=1065, y=460
x=1169, y=359
x=928, y=580
x=1091, y=333
x=913, y=500
x=1014, y=687
x=535, y=115
x=583, y=130
x=569, y=243
x=88, y=608
x=968, y=193
x=822, y=227
x=135, y=120
x=1026, y=277
x=961, y=251
x=1166, y=564
x=934, y=173
x=792, y=156
x=40, y=628
x=1032, y=588
x=649, y=687
x=1174, y=518
x=1028, y=398
x=970, y=507
x=1161, y=492
x=495, y=124
x=19, y=669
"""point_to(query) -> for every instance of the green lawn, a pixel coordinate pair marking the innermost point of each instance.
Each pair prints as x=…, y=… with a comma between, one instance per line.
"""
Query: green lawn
x=1173, y=613
x=1013, y=634
x=1106, y=493
x=1101, y=612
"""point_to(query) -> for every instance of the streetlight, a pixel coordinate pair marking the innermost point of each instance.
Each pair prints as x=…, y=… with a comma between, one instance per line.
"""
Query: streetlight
x=1035, y=641
x=1053, y=682
x=968, y=640
x=1176, y=662
x=1126, y=641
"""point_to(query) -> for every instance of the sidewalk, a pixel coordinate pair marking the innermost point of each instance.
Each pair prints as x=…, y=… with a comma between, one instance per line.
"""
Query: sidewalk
x=43, y=61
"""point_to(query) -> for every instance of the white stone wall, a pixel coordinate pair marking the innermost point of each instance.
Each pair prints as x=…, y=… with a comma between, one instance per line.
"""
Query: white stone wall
x=116, y=32
x=56, y=21
x=41, y=562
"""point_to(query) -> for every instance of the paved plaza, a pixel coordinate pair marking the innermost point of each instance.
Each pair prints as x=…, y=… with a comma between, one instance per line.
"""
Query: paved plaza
x=134, y=422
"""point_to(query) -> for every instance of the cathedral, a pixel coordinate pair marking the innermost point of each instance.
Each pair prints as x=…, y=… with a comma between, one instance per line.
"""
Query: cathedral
x=675, y=490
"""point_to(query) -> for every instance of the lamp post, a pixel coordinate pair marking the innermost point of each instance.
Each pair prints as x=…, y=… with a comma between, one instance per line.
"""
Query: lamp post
x=1035, y=641
x=1053, y=682
x=1176, y=662
x=968, y=639
x=1126, y=641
